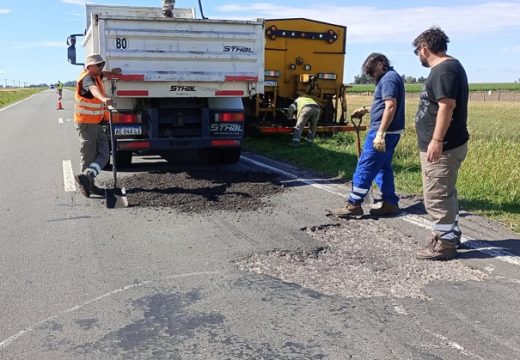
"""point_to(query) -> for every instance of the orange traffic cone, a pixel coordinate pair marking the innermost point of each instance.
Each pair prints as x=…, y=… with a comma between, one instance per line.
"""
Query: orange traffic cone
x=59, y=106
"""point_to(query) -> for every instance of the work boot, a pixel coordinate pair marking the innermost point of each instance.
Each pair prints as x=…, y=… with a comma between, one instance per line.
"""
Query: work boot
x=438, y=249
x=97, y=191
x=385, y=209
x=349, y=210
x=84, y=184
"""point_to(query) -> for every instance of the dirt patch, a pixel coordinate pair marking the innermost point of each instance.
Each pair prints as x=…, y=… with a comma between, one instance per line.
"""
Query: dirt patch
x=202, y=190
x=358, y=259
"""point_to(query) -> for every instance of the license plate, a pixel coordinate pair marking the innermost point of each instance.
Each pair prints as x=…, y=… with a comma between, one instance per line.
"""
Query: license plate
x=128, y=130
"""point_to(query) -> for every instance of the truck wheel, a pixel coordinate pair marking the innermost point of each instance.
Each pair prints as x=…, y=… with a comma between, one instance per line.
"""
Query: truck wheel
x=123, y=158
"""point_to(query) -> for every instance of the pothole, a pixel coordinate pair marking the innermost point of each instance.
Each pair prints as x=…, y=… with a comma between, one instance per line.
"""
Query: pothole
x=360, y=259
x=201, y=190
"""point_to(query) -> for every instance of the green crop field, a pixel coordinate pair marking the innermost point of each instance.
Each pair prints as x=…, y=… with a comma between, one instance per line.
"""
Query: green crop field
x=489, y=178
x=415, y=88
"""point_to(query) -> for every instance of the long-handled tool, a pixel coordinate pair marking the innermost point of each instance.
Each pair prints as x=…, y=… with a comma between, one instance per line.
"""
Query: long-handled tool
x=115, y=198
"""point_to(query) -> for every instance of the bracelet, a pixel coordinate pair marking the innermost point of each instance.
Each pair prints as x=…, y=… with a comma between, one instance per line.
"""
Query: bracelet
x=437, y=140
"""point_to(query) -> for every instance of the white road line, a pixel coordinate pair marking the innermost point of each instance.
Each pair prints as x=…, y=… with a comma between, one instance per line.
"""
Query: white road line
x=5, y=343
x=483, y=247
x=60, y=120
x=450, y=343
x=68, y=176
x=288, y=174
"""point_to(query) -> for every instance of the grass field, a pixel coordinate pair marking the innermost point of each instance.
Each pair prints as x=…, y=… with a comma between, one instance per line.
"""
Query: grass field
x=9, y=96
x=489, y=180
x=415, y=88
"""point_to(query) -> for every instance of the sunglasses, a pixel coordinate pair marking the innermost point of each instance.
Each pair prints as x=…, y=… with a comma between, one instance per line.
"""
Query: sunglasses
x=100, y=64
x=417, y=49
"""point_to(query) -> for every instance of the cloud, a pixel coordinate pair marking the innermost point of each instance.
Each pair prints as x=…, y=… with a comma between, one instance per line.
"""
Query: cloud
x=367, y=24
x=5, y=11
x=41, y=44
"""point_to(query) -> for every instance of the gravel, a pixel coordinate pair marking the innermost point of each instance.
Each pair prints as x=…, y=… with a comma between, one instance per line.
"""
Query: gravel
x=360, y=259
x=202, y=190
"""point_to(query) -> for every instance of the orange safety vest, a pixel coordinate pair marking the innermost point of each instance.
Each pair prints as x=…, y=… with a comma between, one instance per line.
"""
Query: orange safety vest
x=89, y=111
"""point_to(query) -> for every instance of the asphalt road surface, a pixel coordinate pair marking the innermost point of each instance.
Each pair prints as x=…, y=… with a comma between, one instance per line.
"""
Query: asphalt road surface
x=276, y=279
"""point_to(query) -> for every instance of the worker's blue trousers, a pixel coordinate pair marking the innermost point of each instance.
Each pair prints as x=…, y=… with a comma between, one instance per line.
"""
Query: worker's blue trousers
x=375, y=166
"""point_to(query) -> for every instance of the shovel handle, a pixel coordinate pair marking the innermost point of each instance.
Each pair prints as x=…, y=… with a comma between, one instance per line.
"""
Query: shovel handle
x=113, y=144
x=356, y=128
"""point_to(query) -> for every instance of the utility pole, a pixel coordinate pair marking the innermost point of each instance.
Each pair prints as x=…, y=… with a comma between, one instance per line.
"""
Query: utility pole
x=14, y=83
x=5, y=83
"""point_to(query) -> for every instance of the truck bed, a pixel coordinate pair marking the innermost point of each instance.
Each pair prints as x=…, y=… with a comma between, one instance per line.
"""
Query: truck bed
x=177, y=57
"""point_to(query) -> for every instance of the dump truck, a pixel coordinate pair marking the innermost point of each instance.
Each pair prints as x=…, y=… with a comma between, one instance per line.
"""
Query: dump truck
x=183, y=78
x=301, y=56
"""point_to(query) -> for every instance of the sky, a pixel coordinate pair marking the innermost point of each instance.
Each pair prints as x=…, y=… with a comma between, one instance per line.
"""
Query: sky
x=484, y=34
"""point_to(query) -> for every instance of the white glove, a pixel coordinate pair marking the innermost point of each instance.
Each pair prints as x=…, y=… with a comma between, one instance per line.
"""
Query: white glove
x=379, y=141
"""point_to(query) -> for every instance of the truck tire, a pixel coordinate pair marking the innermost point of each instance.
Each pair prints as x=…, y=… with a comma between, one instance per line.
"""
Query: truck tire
x=123, y=158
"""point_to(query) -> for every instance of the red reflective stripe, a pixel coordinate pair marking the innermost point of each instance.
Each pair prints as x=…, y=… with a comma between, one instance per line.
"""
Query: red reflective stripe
x=240, y=78
x=231, y=117
x=229, y=92
x=132, y=145
x=124, y=118
x=225, y=142
x=127, y=77
x=132, y=92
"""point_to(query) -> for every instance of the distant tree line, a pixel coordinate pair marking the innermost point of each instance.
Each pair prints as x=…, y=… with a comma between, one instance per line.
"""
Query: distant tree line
x=363, y=79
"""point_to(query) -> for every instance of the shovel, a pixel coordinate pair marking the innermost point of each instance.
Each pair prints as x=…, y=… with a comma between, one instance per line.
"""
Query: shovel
x=115, y=198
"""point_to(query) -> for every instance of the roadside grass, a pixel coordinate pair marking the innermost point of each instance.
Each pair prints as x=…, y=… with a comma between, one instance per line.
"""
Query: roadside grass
x=9, y=96
x=489, y=180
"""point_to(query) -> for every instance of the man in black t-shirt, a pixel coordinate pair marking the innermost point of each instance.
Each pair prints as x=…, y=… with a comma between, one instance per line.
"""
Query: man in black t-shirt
x=442, y=134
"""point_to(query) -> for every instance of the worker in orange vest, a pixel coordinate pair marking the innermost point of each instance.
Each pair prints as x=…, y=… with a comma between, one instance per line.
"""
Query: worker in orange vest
x=90, y=117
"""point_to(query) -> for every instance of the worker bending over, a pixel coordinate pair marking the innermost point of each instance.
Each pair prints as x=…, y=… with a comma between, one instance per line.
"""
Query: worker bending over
x=307, y=110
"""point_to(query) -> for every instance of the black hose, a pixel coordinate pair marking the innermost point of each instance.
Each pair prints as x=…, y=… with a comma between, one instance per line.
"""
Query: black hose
x=201, y=11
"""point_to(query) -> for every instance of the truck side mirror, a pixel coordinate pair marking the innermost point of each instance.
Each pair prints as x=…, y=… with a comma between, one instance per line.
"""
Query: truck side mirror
x=71, y=50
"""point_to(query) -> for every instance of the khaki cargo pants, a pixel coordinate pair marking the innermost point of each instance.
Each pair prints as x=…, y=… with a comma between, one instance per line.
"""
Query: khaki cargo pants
x=93, y=147
x=309, y=114
x=440, y=192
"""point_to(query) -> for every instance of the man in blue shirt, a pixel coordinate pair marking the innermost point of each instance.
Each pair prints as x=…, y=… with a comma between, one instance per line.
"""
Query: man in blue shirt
x=386, y=127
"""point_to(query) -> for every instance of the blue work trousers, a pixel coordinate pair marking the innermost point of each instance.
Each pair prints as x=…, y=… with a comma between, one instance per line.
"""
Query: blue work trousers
x=375, y=166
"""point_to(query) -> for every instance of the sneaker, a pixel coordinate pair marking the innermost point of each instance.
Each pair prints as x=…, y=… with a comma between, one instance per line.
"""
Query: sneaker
x=295, y=143
x=438, y=249
x=84, y=184
x=348, y=210
x=385, y=209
